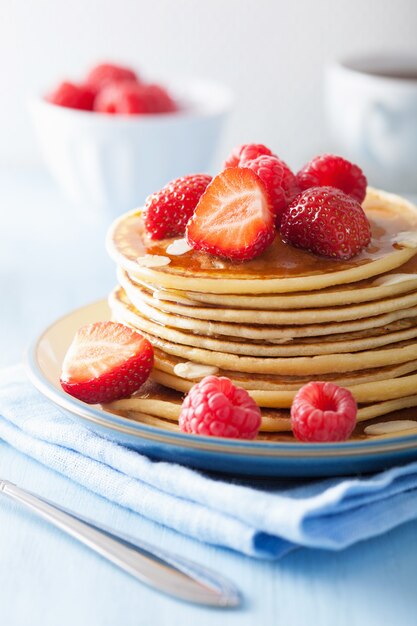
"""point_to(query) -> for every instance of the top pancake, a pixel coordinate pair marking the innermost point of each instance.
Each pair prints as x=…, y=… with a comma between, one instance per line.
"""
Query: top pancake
x=282, y=268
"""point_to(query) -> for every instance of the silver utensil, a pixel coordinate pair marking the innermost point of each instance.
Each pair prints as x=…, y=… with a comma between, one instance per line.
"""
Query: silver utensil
x=157, y=568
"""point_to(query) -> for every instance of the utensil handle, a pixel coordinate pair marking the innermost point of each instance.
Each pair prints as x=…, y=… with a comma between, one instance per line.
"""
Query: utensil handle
x=173, y=576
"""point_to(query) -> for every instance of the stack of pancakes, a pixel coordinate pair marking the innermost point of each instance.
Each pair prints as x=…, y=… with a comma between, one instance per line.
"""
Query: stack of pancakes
x=277, y=322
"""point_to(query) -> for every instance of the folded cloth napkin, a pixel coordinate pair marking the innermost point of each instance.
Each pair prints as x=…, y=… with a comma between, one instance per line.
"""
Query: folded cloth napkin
x=264, y=520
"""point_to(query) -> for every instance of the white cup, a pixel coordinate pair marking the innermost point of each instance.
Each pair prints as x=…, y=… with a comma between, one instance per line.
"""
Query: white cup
x=371, y=112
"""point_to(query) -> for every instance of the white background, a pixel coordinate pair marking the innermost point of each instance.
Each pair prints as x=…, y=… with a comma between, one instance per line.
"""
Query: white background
x=270, y=52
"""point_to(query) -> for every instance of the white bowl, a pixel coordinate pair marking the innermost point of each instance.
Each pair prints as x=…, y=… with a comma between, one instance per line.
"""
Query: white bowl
x=112, y=162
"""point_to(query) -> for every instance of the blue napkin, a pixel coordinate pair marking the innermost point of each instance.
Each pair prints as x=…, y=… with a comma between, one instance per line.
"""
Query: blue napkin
x=262, y=520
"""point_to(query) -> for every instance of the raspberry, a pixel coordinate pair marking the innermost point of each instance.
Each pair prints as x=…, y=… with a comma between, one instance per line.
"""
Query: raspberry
x=278, y=179
x=323, y=412
x=246, y=152
x=73, y=96
x=326, y=221
x=167, y=211
x=334, y=171
x=233, y=159
x=215, y=407
x=252, y=151
x=106, y=73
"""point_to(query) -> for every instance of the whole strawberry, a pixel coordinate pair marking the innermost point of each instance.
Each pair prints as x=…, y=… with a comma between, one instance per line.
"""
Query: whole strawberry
x=278, y=179
x=334, y=171
x=159, y=100
x=72, y=96
x=122, y=98
x=167, y=211
x=106, y=73
x=326, y=221
x=131, y=98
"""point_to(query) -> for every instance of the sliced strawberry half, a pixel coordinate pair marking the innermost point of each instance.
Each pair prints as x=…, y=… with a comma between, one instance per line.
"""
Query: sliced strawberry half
x=234, y=218
x=106, y=361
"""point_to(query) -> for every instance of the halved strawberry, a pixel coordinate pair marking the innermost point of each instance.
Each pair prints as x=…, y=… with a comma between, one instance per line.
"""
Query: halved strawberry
x=234, y=217
x=106, y=361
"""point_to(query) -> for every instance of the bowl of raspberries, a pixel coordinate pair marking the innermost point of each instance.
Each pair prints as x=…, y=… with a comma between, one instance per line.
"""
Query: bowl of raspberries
x=112, y=137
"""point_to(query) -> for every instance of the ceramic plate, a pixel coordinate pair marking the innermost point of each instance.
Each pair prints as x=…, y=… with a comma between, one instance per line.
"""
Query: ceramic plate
x=231, y=456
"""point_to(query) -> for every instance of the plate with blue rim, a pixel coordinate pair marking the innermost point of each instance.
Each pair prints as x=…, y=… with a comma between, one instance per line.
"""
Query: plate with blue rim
x=259, y=458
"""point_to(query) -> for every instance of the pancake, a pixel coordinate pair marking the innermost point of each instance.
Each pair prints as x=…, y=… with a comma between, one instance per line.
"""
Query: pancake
x=273, y=420
x=297, y=366
x=281, y=268
x=156, y=401
x=119, y=302
x=279, y=393
x=142, y=300
x=310, y=347
x=395, y=420
x=397, y=281
x=273, y=324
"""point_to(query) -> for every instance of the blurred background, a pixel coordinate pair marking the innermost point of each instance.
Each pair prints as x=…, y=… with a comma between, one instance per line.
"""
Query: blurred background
x=270, y=52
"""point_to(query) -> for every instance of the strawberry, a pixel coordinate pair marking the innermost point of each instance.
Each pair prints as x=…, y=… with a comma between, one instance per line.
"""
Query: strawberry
x=326, y=221
x=125, y=98
x=278, y=179
x=234, y=217
x=159, y=100
x=334, y=171
x=130, y=98
x=72, y=96
x=167, y=211
x=106, y=73
x=246, y=152
x=105, y=362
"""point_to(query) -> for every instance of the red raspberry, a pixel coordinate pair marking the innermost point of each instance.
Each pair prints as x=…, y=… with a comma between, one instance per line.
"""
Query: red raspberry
x=167, y=211
x=278, y=179
x=246, y=152
x=106, y=73
x=326, y=221
x=323, y=412
x=252, y=151
x=334, y=171
x=233, y=159
x=215, y=407
x=73, y=96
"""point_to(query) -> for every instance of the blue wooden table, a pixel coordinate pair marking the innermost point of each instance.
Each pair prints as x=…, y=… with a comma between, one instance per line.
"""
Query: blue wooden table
x=52, y=259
